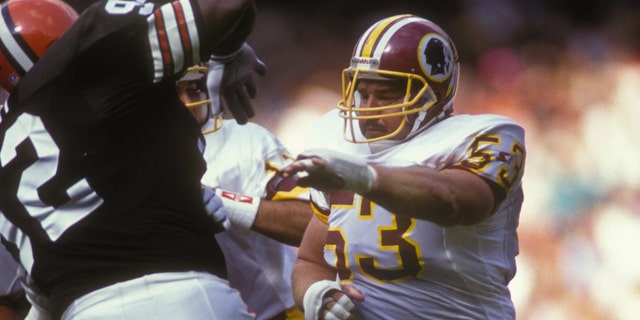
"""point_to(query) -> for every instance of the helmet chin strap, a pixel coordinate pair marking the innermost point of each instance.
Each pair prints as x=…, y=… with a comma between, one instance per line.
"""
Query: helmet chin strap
x=416, y=124
x=381, y=145
x=448, y=108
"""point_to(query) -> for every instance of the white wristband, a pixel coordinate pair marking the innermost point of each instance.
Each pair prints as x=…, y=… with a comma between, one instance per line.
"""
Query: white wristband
x=313, y=298
x=241, y=209
x=358, y=176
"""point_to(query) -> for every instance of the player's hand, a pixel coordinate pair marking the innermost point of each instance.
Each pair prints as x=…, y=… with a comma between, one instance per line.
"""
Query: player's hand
x=214, y=207
x=352, y=292
x=231, y=79
x=329, y=170
x=328, y=300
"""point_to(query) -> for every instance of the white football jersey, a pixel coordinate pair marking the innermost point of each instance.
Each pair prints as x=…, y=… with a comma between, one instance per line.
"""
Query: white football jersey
x=413, y=269
x=244, y=159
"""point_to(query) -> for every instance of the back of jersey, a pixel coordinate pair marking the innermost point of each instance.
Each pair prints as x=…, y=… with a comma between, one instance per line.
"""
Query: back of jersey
x=100, y=164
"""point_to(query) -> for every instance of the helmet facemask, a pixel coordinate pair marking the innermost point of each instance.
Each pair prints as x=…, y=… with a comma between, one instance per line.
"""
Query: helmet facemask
x=417, y=99
x=214, y=120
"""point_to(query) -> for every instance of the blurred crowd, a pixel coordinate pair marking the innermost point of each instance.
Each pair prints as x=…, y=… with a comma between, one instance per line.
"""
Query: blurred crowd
x=568, y=71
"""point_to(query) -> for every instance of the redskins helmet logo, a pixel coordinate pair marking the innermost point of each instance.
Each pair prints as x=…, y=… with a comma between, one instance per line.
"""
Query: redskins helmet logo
x=436, y=58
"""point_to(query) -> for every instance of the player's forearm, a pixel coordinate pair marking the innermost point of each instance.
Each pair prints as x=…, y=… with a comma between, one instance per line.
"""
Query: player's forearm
x=284, y=221
x=227, y=24
x=447, y=198
x=310, y=266
x=305, y=273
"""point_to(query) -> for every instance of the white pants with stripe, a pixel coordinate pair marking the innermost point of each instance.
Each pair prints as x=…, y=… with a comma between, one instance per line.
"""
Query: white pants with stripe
x=171, y=295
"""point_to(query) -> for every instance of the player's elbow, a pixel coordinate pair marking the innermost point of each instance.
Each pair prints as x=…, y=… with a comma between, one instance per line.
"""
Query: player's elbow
x=456, y=209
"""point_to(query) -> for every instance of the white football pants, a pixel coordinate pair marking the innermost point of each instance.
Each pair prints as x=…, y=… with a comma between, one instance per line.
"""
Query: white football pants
x=171, y=295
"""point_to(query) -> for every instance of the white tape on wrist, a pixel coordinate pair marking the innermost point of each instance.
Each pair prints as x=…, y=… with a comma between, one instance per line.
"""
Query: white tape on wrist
x=343, y=307
x=361, y=180
x=241, y=209
x=313, y=299
x=358, y=176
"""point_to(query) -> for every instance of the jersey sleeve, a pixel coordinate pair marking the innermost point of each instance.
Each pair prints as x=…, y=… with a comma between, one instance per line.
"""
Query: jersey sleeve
x=497, y=154
x=173, y=38
x=155, y=40
x=320, y=204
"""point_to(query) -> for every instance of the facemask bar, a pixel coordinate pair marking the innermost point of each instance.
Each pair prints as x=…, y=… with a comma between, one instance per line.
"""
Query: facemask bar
x=217, y=125
x=217, y=118
x=351, y=113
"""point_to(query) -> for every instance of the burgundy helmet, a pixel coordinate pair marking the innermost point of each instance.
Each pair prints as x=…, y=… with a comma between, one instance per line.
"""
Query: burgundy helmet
x=407, y=48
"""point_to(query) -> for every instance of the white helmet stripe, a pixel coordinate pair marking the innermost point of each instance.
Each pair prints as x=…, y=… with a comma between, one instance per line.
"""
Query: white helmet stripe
x=363, y=40
x=21, y=61
x=384, y=39
x=370, y=38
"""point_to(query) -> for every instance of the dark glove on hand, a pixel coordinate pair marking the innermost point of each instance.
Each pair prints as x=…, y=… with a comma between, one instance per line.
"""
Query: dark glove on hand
x=231, y=79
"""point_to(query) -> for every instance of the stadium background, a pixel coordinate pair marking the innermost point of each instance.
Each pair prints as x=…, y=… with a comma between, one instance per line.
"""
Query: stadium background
x=568, y=71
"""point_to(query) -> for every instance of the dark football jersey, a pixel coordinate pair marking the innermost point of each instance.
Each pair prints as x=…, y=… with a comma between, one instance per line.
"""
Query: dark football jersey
x=99, y=161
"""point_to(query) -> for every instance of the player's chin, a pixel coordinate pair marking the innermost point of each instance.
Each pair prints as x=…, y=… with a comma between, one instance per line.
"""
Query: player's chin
x=374, y=134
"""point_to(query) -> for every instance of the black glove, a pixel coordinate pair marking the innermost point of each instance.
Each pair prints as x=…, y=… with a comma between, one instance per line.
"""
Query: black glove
x=231, y=79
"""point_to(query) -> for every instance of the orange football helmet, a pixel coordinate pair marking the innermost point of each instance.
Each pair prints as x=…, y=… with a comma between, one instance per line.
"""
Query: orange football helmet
x=27, y=29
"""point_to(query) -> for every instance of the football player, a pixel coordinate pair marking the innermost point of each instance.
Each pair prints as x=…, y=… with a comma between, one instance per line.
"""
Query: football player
x=268, y=214
x=416, y=208
x=100, y=164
